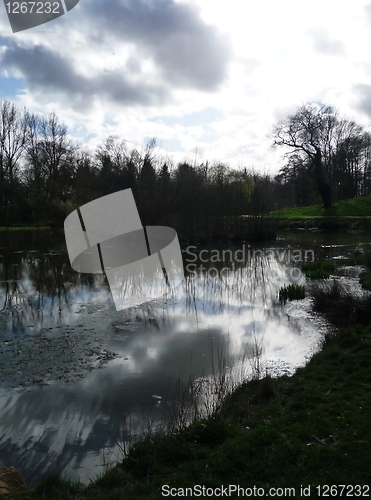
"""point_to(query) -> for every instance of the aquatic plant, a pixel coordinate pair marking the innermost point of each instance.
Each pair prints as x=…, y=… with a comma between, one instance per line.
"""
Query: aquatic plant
x=291, y=292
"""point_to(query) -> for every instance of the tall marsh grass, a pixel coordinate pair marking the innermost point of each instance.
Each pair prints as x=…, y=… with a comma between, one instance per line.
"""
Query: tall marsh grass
x=341, y=306
x=199, y=398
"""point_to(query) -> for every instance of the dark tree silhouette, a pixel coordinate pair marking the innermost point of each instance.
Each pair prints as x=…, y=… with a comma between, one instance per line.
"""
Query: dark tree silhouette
x=44, y=176
x=315, y=172
x=305, y=133
x=336, y=153
x=13, y=138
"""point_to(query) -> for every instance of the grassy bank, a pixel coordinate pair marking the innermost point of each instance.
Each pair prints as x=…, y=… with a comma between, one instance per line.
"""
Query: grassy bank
x=355, y=207
x=308, y=429
x=23, y=228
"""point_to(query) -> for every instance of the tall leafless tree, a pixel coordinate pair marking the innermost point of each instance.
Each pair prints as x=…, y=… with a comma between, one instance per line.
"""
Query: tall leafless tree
x=334, y=151
x=12, y=141
x=306, y=134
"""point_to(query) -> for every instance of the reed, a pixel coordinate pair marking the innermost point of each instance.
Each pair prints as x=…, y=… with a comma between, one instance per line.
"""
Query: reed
x=191, y=403
x=291, y=292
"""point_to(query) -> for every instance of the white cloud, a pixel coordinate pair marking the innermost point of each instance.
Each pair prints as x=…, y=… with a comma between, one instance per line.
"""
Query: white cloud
x=113, y=66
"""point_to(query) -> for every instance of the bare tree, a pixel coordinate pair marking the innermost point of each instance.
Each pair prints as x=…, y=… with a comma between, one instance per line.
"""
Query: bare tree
x=307, y=134
x=335, y=152
x=57, y=154
x=13, y=136
x=12, y=141
x=350, y=158
x=51, y=165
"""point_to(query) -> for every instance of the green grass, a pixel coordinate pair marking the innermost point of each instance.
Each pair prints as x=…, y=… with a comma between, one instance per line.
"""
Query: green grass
x=308, y=429
x=355, y=207
x=311, y=428
x=53, y=486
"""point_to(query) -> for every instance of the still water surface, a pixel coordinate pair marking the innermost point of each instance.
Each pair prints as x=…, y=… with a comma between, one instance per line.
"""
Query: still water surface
x=71, y=365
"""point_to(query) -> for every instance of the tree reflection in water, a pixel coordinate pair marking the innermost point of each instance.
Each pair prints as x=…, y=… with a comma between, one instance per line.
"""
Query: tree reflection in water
x=38, y=287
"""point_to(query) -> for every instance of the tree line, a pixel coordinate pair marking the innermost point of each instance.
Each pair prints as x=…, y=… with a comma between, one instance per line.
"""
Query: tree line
x=44, y=175
x=333, y=151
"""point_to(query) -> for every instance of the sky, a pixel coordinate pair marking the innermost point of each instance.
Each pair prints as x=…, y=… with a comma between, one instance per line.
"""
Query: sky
x=207, y=79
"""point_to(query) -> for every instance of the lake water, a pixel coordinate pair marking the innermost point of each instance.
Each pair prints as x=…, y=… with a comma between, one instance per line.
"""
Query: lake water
x=71, y=365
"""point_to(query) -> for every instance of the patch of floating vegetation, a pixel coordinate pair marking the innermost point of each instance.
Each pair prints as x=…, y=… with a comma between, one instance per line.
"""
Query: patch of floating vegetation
x=319, y=269
x=57, y=353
